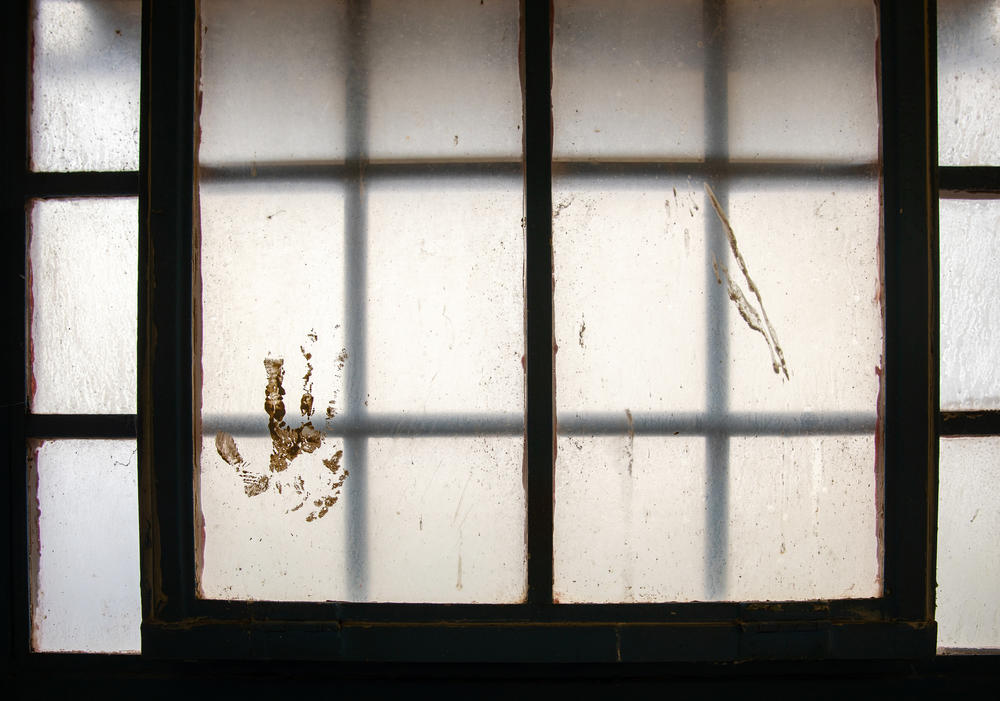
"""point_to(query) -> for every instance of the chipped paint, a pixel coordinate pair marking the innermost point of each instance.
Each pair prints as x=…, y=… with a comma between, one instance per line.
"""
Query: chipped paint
x=288, y=444
x=743, y=305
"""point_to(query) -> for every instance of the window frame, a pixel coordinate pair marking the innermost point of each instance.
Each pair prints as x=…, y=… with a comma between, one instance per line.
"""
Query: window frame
x=175, y=624
x=898, y=624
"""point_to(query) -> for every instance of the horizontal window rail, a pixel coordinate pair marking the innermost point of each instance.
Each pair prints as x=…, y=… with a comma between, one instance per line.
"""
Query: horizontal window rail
x=973, y=182
x=80, y=425
x=970, y=423
x=84, y=184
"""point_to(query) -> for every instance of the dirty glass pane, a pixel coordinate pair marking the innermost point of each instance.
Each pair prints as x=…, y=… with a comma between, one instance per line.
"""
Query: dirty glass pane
x=719, y=330
x=801, y=79
x=445, y=297
x=304, y=80
x=274, y=79
x=797, y=529
x=85, y=85
x=968, y=33
x=811, y=250
x=82, y=318
x=84, y=524
x=362, y=326
x=643, y=535
x=969, y=233
x=443, y=80
x=627, y=79
x=968, y=565
x=630, y=271
x=802, y=518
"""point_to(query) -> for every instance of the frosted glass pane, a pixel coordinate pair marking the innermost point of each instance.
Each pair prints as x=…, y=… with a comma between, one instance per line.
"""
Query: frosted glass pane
x=273, y=80
x=447, y=519
x=812, y=251
x=643, y=534
x=445, y=298
x=968, y=33
x=630, y=270
x=968, y=563
x=662, y=334
x=802, y=520
x=628, y=79
x=970, y=310
x=85, y=85
x=82, y=280
x=85, y=547
x=272, y=272
x=801, y=80
x=396, y=335
x=443, y=80
x=311, y=81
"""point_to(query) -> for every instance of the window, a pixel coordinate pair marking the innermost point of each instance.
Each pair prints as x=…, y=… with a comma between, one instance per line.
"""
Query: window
x=969, y=225
x=177, y=622
x=359, y=628
x=81, y=206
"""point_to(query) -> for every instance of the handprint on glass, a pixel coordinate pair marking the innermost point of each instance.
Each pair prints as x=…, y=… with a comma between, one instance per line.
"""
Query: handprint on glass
x=313, y=486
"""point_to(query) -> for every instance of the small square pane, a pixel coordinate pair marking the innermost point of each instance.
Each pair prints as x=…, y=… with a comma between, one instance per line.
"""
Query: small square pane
x=84, y=509
x=968, y=51
x=273, y=81
x=442, y=80
x=968, y=559
x=82, y=270
x=969, y=232
x=801, y=81
x=628, y=80
x=85, y=85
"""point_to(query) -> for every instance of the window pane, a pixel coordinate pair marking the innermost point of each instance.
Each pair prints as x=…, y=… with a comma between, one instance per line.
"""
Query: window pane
x=382, y=302
x=85, y=85
x=968, y=82
x=443, y=80
x=627, y=79
x=970, y=310
x=435, y=79
x=801, y=79
x=82, y=282
x=699, y=456
x=274, y=77
x=445, y=297
x=968, y=568
x=85, y=546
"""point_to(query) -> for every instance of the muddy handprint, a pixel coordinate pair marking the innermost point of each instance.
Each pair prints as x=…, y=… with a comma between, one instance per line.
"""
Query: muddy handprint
x=315, y=487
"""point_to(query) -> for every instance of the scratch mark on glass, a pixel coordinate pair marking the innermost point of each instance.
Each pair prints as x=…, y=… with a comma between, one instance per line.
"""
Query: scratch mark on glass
x=743, y=305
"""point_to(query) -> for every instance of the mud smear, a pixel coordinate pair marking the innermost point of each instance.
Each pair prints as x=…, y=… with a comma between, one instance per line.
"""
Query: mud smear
x=288, y=444
x=253, y=483
x=561, y=206
x=583, y=328
x=757, y=322
x=629, y=445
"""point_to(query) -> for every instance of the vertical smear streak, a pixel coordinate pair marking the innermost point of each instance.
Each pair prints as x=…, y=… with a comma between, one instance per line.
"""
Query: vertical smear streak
x=746, y=309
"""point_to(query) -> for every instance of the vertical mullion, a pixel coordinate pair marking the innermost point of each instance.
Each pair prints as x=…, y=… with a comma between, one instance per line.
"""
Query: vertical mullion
x=14, y=618
x=716, y=301
x=355, y=295
x=536, y=27
x=165, y=341
x=907, y=37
